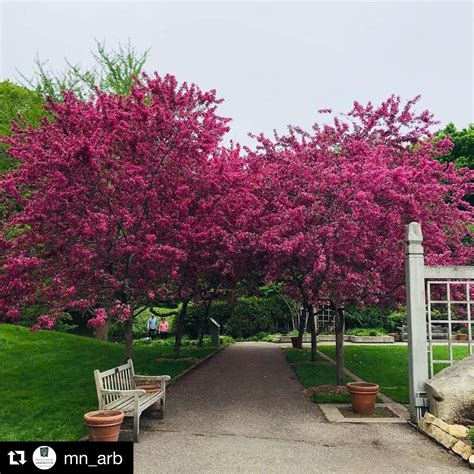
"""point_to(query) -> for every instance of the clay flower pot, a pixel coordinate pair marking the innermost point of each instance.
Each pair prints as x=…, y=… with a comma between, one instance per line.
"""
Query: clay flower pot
x=394, y=335
x=104, y=425
x=363, y=396
x=461, y=337
x=296, y=342
x=149, y=388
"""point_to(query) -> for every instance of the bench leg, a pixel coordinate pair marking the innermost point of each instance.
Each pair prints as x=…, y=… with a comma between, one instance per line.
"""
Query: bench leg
x=163, y=406
x=136, y=427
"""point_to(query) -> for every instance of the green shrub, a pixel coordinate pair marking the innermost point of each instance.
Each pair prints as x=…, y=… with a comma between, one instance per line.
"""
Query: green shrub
x=244, y=318
x=396, y=318
x=471, y=434
x=373, y=316
x=248, y=318
x=366, y=332
x=220, y=311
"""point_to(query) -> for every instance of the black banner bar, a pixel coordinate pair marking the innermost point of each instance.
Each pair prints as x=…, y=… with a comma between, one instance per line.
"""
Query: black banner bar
x=18, y=457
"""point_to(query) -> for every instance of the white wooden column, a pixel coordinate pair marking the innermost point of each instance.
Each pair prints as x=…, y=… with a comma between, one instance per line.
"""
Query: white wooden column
x=416, y=315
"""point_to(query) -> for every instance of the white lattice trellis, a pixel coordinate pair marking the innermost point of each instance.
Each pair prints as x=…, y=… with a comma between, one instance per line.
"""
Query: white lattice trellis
x=462, y=307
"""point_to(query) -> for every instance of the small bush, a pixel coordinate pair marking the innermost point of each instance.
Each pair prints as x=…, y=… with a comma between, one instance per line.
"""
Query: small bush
x=366, y=332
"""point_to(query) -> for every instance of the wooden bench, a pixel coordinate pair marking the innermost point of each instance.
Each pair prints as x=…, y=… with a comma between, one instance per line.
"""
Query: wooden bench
x=117, y=390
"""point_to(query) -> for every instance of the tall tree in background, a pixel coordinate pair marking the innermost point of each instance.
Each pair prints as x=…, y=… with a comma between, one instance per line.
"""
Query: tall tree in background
x=114, y=72
x=462, y=152
x=21, y=105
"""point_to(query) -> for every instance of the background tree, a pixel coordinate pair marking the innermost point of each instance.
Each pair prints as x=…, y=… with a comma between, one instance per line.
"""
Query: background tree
x=114, y=72
x=462, y=152
x=21, y=105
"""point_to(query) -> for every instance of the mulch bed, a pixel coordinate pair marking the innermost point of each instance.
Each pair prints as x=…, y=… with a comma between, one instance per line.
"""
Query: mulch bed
x=328, y=389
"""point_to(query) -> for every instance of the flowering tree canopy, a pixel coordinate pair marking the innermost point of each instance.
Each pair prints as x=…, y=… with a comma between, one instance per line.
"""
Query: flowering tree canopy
x=335, y=202
x=109, y=198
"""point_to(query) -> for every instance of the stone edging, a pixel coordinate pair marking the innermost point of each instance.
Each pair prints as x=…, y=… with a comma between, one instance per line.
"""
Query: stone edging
x=452, y=437
x=332, y=413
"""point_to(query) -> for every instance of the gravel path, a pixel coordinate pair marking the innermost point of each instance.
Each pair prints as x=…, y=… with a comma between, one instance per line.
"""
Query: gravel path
x=244, y=411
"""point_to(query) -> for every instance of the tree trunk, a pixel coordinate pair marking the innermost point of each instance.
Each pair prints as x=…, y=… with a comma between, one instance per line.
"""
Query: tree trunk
x=128, y=331
x=339, y=327
x=312, y=328
x=179, y=326
x=102, y=333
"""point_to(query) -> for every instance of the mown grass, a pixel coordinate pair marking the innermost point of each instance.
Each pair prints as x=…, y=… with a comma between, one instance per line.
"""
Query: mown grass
x=47, y=383
x=316, y=374
x=387, y=365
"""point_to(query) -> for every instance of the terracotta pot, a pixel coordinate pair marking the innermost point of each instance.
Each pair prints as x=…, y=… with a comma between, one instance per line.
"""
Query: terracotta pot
x=461, y=337
x=363, y=396
x=104, y=425
x=296, y=342
x=394, y=335
x=149, y=388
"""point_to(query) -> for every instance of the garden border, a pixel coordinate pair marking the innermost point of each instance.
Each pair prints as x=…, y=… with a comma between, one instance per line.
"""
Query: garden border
x=387, y=400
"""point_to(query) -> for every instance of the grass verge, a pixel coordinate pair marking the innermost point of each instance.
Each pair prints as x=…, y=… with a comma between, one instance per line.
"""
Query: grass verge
x=386, y=365
x=318, y=378
x=47, y=381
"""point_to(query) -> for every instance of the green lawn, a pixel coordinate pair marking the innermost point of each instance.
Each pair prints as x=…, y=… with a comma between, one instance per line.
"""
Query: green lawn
x=314, y=375
x=387, y=365
x=47, y=383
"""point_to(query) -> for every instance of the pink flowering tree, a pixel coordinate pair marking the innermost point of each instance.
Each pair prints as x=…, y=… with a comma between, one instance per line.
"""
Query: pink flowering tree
x=335, y=202
x=104, y=201
x=213, y=251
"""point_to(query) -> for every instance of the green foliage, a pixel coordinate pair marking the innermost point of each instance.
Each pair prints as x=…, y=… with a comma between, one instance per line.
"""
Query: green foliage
x=219, y=311
x=471, y=434
x=244, y=318
x=373, y=316
x=140, y=323
x=311, y=375
x=57, y=370
x=462, y=153
x=301, y=355
x=366, y=332
x=115, y=72
x=21, y=105
x=395, y=319
x=368, y=316
x=247, y=319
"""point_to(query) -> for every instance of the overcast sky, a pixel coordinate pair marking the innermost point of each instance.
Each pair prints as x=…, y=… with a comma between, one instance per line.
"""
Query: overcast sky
x=274, y=63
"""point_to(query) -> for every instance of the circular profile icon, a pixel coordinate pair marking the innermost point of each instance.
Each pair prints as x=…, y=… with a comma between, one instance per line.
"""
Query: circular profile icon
x=44, y=457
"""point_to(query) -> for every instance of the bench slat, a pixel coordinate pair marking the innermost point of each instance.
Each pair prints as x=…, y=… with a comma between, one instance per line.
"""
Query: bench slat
x=127, y=403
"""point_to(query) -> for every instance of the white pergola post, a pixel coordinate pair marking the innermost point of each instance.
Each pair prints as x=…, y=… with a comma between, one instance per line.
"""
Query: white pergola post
x=416, y=315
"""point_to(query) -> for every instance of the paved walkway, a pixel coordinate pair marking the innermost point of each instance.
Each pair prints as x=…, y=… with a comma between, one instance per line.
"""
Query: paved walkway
x=244, y=411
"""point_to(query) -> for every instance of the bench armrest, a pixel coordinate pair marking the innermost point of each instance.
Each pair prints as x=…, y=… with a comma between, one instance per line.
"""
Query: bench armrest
x=137, y=392
x=152, y=377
